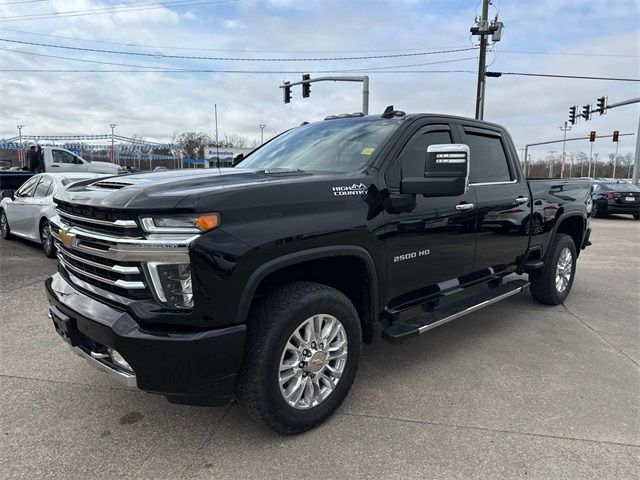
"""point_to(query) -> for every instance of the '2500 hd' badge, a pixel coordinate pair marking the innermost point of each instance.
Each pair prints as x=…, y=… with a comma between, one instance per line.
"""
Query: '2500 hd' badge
x=355, y=189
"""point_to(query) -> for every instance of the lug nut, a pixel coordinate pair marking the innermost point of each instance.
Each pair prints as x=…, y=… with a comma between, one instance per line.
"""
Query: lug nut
x=313, y=344
x=302, y=364
x=322, y=346
x=306, y=353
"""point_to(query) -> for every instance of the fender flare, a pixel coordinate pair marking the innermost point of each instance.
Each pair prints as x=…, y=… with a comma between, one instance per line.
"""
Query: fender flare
x=559, y=222
x=302, y=256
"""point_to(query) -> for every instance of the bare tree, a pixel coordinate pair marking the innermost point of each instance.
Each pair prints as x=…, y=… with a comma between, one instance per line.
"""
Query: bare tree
x=193, y=143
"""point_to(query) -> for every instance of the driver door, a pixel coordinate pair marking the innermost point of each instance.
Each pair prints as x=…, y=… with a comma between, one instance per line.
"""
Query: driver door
x=63, y=161
x=18, y=210
x=431, y=246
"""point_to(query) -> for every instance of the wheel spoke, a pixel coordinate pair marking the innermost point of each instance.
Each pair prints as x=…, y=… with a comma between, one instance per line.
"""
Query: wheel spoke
x=309, y=373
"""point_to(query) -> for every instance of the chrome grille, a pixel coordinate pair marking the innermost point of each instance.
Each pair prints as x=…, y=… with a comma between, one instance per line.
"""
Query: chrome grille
x=89, y=262
x=96, y=220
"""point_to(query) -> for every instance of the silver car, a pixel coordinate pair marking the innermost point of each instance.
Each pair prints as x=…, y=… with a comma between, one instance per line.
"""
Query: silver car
x=27, y=213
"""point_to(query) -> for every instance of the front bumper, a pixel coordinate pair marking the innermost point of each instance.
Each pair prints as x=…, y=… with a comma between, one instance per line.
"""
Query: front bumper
x=187, y=367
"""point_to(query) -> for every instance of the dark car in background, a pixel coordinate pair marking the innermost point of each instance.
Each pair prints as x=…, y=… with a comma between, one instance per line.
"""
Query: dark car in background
x=615, y=197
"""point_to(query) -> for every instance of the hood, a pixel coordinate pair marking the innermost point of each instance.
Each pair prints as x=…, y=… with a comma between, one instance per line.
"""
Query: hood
x=172, y=189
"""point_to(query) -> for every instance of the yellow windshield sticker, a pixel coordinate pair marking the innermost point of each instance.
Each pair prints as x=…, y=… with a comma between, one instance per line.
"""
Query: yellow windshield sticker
x=367, y=151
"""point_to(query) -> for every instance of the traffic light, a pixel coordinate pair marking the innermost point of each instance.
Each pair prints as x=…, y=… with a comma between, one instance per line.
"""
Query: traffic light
x=592, y=136
x=287, y=92
x=572, y=115
x=616, y=134
x=602, y=105
x=586, y=112
x=306, y=87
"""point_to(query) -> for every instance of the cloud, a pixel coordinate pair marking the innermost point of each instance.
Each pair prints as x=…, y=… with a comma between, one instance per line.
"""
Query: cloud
x=158, y=104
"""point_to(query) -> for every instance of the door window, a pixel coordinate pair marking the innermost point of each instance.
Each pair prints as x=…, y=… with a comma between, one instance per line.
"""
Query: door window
x=414, y=154
x=488, y=161
x=43, y=187
x=412, y=159
x=60, y=156
x=26, y=190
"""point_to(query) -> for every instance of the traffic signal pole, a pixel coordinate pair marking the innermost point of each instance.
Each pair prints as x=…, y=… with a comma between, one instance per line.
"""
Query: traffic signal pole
x=306, y=81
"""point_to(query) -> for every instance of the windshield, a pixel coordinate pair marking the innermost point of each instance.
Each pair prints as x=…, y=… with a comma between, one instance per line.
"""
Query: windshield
x=340, y=145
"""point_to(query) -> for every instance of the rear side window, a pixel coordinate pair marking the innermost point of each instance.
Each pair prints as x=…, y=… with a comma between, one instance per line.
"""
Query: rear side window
x=488, y=159
x=414, y=154
x=26, y=190
x=43, y=187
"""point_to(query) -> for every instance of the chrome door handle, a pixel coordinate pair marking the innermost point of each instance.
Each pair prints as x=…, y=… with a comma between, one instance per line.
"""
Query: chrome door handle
x=465, y=206
x=522, y=200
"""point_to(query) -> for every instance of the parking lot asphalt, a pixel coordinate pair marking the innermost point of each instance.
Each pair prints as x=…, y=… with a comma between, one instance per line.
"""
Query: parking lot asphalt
x=517, y=390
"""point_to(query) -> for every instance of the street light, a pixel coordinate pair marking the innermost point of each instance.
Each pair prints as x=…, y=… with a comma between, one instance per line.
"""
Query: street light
x=20, y=156
x=262, y=134
x=564, y=129
x=113, y=151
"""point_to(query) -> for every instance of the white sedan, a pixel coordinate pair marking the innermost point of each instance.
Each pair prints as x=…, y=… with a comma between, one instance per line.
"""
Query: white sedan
x=27, y=213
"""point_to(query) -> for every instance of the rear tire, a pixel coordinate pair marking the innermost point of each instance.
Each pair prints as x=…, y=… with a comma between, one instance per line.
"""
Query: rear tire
x=46, y=239
x=636, y=216
x=596, y=211
x=278, y=363
x=552, y=283
x=4, y=226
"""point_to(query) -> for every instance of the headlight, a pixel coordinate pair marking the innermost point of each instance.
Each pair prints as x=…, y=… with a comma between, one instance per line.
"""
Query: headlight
x=172, y=283
x=180, y=223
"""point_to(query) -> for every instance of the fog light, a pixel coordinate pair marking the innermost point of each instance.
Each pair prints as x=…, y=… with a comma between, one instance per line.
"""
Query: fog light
x=119, y=359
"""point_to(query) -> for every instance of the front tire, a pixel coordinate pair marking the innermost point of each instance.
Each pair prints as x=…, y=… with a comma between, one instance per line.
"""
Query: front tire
x=552, y=283
x=636, y=216
x=4, y=226
x=301, y=357
x=46, y=239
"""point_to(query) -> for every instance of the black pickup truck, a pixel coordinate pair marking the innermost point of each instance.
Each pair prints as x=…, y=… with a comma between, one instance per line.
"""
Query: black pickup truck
x=263, y=280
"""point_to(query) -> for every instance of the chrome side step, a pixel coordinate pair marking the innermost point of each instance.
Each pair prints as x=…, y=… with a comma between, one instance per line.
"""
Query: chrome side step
x=410, y=328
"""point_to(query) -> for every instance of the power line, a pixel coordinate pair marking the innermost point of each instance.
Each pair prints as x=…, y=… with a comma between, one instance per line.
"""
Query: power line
x=252, y=72
x=236, y=50
x=236, y=59
x=122, y=9
x=24, y=1
x=173, y=69
x=576, y=54
x=579, y=77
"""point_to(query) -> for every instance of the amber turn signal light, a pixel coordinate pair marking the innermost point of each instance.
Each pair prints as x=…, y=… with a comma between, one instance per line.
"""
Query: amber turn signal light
x=208, y=222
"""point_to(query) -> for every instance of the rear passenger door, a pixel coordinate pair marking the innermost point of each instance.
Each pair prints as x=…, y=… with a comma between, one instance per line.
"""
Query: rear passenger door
x=502, y=194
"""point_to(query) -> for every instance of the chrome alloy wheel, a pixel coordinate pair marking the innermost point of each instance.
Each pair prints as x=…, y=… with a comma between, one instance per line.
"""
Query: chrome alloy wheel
x=45, y=236
x=564, y=270
x=313, y=361
x=4, y=225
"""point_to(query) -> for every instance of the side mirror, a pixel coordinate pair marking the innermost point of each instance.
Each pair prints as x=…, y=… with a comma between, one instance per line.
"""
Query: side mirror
x=8, y=194
x=446, y=172
x=237, y=159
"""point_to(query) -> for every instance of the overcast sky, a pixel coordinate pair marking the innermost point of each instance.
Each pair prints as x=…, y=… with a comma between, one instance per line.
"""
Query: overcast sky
x=586, y=37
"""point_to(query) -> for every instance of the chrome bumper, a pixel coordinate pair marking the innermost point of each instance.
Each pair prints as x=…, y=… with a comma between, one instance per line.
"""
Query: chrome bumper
x=127, y=379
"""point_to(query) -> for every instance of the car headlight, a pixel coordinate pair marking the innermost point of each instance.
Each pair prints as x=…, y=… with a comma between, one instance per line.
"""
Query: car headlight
x=172, y=283
x=194, y=223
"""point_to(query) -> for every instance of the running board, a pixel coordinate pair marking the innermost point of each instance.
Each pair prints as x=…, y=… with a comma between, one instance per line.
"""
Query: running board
x=410, y=328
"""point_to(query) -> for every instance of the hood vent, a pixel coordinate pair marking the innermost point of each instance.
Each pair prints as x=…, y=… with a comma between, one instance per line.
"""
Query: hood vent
x=110, y=184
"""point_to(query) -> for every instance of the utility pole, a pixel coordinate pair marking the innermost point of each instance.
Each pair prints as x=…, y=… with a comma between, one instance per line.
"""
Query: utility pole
x=483, y=28
x=215, y=106
x=590, y=158
x=615, y=160
x=20, y=150
x=113, y=150
x=482, y=61
x=595, y=164
x=564, y=128
x=262, y=134
x=636, y=162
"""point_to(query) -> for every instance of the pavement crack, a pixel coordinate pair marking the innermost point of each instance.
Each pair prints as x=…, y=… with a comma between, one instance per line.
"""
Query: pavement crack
x=488, y=429
x=602, y=337
x=216, y=428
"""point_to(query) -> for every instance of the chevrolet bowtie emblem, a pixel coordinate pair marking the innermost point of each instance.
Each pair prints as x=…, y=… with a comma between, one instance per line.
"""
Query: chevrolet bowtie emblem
x=67, y=239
